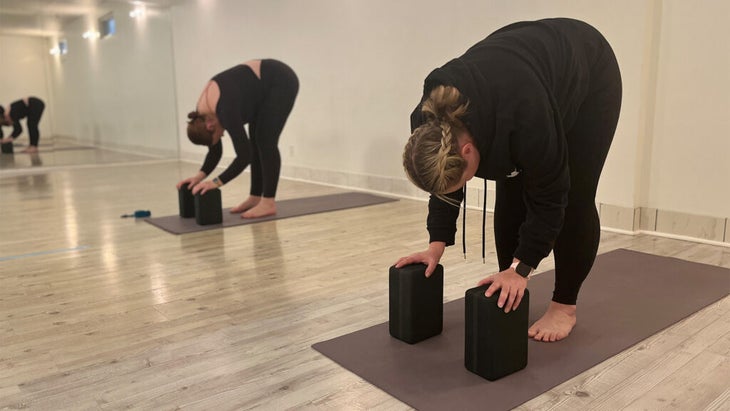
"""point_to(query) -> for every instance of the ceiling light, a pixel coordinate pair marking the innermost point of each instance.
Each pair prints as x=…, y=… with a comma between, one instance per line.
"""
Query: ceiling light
x=138, y=12
x=91, y=34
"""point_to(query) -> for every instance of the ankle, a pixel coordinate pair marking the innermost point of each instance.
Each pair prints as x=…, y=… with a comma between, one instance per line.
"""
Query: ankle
x=569, y=309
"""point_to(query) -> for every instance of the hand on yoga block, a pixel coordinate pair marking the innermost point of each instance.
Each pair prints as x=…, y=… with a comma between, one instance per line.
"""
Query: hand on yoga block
x=416, y=302
x=495, y=341
x=208, y=209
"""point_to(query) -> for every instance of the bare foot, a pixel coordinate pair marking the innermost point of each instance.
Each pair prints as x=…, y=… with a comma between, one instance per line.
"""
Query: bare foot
x=555, y=324
x=31, y=149
x=250, y=203
x=266, y=207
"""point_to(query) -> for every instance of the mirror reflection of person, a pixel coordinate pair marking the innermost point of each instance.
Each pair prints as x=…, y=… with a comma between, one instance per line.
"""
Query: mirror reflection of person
x=260, y=93
x=534, y=106
x=30, y=108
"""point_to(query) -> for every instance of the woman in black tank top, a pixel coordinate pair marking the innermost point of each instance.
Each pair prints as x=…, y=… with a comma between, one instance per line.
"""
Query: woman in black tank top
x=260, y=93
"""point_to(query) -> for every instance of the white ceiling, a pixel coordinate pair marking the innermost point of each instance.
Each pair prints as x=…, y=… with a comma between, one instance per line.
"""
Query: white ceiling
x=46, y=18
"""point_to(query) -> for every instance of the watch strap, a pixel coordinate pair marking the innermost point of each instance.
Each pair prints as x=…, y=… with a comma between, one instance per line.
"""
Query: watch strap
x=522, y=268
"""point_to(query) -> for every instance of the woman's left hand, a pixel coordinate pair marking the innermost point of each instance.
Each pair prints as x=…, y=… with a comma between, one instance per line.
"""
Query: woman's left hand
x=512, y=285
x=6, y=140
x=204, y=186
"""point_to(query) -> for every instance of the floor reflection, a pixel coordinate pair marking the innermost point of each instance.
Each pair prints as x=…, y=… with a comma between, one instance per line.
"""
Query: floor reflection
x=208, y=246
x=267, y=248
x=64, y=152
x=34, y=186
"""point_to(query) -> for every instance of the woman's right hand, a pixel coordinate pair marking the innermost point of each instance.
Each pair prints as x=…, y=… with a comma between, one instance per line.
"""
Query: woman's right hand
x=430, y=257
x=191, y=181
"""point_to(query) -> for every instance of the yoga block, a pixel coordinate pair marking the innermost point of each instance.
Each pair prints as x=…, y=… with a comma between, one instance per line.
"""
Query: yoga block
x=187, y=202
x=208, y=209
x=7, y=148
x=495, y=341
x=416, y=302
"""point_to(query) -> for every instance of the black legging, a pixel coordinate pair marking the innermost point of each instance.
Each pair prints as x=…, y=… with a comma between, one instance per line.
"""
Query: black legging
x=35, y=111
x=266, y=128
x=589, y=139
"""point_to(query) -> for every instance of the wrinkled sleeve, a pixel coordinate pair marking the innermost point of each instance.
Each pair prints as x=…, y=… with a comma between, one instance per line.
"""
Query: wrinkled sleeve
x=417, y=117
x=541, y=152
x=17, y=128
x=442, y=216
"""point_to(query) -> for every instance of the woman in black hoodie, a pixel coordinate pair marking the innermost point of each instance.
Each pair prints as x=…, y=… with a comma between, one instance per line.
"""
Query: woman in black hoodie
x=534, y=106
x=30, y=108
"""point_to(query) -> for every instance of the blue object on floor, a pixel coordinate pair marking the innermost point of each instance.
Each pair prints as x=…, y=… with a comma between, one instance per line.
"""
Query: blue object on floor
x=138, y=214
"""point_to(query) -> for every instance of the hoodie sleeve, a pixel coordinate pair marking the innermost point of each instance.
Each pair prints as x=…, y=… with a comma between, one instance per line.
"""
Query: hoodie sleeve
x=417, y=117
x=18, y=110
x=540, y=150
x=17, y=128
x=442, y=216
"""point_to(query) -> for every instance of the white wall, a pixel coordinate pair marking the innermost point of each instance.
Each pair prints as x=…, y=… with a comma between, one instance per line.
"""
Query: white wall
x=361, y=65
x=118, y=91
x=23, y=62
x=690, y=164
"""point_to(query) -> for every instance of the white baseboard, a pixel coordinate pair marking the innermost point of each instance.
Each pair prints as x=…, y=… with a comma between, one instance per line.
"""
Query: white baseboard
x=625, y=220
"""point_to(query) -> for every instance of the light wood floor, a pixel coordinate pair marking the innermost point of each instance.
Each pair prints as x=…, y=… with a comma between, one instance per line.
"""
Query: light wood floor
x=99, y=312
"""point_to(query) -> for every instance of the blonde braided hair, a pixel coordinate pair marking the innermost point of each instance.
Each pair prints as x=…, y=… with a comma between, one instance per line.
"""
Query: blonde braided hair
x=431, y=156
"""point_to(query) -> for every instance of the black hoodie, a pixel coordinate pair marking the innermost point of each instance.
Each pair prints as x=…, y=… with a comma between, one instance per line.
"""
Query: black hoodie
x=19, y=110
x=525, y=84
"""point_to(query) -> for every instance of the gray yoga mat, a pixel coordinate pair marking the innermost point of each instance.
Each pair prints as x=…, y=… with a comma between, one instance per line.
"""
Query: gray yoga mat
x=628, y=297
x=284, y=209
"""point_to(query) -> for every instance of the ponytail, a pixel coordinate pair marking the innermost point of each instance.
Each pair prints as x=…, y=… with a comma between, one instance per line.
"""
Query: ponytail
x=445, y=104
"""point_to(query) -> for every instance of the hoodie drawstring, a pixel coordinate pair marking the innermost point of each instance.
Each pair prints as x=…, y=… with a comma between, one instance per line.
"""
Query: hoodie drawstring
x=484, y=223
x=463, y=224
x=484, y=220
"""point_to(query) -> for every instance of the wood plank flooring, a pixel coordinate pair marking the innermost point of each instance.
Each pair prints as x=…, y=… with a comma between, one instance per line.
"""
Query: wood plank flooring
x=100, y=313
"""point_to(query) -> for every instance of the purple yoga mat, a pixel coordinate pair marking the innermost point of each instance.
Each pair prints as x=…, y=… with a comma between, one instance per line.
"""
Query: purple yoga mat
x=628, y=297
x=284, y=209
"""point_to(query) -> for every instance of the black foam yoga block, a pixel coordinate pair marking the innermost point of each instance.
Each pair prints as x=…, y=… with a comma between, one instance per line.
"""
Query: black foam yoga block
x=495, y=341
x=7, y=148
x=416, y=302
x=187, y=202
x=208, y=209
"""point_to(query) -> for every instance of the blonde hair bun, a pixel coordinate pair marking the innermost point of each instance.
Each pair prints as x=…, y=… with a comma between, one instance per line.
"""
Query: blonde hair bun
x=431, y=157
